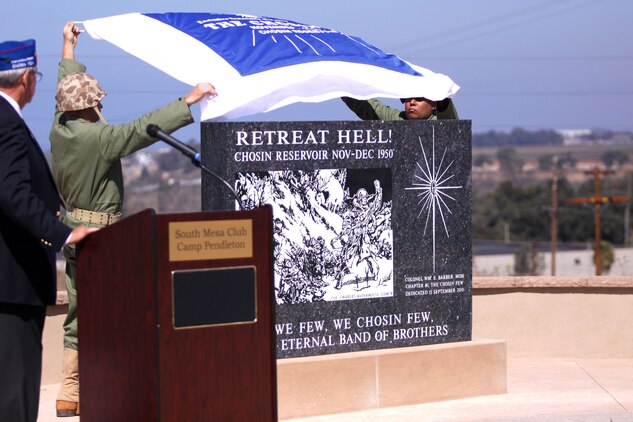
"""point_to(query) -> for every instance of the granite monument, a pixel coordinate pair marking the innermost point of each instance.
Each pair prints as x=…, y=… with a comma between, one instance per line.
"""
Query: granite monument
x=372, y=226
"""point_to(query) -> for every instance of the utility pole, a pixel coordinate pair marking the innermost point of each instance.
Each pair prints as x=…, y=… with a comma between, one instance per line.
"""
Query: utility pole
x=627, y=212
x=597, y=200
x=554, y=228
x=533, y=258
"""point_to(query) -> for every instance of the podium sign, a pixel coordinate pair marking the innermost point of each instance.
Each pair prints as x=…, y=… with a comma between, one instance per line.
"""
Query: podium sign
x=372, y=227
x=176, y=318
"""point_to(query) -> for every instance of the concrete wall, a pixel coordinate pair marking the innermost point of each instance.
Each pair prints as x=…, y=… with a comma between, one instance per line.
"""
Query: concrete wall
x=578, y=317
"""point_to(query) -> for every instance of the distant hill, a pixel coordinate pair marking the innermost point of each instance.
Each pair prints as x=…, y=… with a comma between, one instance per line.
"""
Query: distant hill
x=521, y=137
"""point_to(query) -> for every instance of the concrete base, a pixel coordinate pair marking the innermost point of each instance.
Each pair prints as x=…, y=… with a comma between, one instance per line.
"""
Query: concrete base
x=385, y=378
x=556, y=317
x=348, y=382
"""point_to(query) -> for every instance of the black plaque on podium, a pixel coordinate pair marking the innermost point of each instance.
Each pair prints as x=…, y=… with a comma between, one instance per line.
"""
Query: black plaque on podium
x=220, y=296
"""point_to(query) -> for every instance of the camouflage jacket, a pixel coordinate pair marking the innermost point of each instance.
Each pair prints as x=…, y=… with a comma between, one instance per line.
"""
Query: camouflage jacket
x=373, y=109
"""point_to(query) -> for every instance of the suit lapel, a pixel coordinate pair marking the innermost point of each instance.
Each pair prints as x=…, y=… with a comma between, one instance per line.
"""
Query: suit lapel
x=37, y=147
x=48, y=169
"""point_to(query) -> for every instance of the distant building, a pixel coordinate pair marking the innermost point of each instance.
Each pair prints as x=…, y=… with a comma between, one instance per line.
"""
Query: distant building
x=574, y=136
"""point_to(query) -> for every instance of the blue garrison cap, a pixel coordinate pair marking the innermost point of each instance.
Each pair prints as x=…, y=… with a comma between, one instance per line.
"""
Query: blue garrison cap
x=17, y=55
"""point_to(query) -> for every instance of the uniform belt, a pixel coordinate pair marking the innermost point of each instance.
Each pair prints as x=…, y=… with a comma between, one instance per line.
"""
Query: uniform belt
x=94, y=217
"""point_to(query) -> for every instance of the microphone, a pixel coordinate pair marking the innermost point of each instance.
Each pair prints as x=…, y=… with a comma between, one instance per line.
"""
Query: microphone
x=156, y=132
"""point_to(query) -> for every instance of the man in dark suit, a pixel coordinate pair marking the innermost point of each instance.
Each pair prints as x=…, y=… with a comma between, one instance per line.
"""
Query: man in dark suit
x=30, y=234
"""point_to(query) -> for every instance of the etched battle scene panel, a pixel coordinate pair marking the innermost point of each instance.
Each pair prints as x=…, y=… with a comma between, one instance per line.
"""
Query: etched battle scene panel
x=332, y=231
x=372, y=227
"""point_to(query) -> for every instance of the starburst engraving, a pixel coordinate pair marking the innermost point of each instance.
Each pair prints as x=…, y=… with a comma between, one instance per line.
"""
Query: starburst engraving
x=432, y=183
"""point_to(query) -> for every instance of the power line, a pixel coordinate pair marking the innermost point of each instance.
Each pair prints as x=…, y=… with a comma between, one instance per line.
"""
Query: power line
x=415, y=43
x=547, y=125
x=93, y=56
x=462, y=93
x=530, y=58
x=483, y=22
x=127, y=91
x=547, y=59
x=544, y=93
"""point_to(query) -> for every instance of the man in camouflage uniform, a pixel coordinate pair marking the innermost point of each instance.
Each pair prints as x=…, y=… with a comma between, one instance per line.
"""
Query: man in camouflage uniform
x=414, y=108
x=86, y=161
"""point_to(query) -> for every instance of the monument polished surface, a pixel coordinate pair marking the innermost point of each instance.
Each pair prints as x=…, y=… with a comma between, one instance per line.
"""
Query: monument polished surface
x=372, y=227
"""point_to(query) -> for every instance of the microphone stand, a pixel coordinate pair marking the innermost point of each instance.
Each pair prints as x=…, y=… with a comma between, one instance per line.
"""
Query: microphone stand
x=190, y=152
x=199, y=164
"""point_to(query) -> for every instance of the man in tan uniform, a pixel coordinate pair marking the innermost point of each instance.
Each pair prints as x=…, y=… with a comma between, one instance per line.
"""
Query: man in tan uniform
x=86, y=161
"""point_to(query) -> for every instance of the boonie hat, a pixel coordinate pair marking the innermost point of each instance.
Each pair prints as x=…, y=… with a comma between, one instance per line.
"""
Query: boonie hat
x=17, y=55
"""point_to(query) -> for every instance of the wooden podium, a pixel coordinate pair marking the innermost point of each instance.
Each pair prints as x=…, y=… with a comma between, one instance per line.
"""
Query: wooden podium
x=175, y=318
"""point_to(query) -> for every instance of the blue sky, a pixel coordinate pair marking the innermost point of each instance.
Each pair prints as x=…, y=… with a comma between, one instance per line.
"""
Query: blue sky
x=565, y=64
